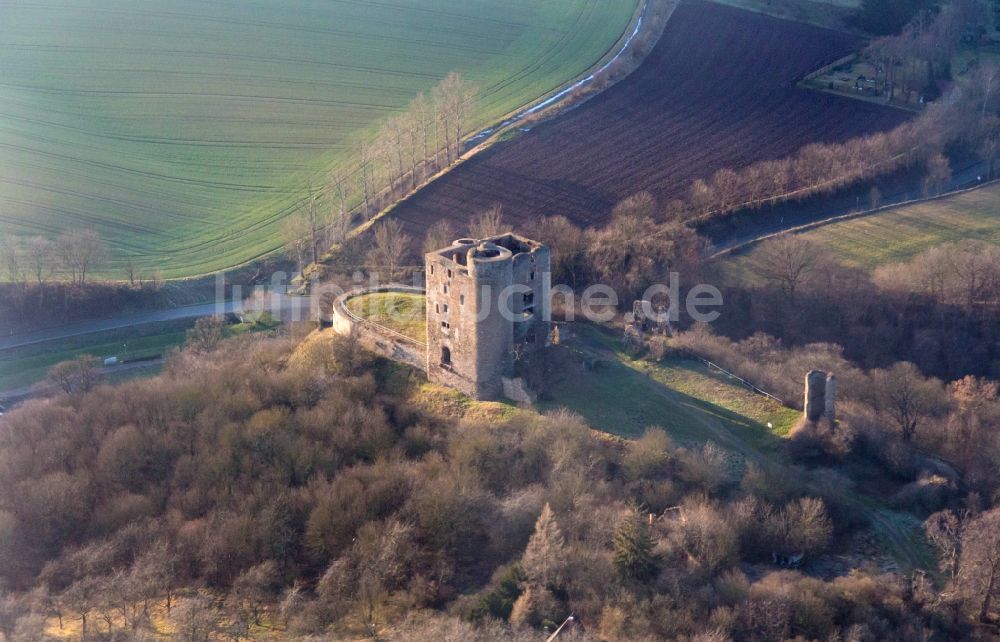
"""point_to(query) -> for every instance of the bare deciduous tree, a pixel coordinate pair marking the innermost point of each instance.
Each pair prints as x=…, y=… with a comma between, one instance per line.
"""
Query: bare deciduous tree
x=195, y=619
x=381, y=557
x=788, y=261
x=338, y=197
x=314, y=225
x=296, y=230
x=454, y=99
x=487, y=223
x=206, y=335
x=12, y=254
x=701, y=197
x=903, y=394
x=945, y=530
x=76, y=375
x=439, y=235
x=391, y=247
x=938, y=174
x=978, y=578
x=81, y=251
x=568, y=245
x=366, y=159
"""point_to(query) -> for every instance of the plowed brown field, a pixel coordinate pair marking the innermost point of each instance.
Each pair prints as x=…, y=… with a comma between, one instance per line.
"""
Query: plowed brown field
x=719, y=90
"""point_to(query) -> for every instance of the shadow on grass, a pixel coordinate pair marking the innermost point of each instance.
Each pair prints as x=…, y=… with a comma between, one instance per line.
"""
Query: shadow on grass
x=623, y=396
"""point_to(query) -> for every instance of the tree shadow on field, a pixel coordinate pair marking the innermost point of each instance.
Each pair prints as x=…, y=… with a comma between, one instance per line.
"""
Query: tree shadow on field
x=620, y=395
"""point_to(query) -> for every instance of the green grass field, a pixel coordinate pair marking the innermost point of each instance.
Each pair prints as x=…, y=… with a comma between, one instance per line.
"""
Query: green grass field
x=21, y=367
x=901, y=233
x=623, y=395
x=26, y=366
x=399, y=311
x=184, y=131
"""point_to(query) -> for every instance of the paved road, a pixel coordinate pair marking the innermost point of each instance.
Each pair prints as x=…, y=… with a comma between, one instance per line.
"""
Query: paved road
x=286, y=306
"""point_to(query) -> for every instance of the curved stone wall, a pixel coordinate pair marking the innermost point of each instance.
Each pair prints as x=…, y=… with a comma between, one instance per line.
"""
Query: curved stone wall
x=378, y=338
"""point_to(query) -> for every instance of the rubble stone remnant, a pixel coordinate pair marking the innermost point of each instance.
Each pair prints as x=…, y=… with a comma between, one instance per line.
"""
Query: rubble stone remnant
x=658, y=323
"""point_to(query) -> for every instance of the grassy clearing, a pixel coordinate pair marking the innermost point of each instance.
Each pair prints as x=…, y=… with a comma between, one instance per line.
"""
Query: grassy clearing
x=902, y=233
x=399, y=311
x=695, y=379
x=623, y=395
x=185, y=131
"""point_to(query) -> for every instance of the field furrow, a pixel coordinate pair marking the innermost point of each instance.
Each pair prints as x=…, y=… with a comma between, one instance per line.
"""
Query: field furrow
x=718, y=91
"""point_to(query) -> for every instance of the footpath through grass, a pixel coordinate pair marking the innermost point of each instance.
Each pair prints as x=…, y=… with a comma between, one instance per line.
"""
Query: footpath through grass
x=184, y=132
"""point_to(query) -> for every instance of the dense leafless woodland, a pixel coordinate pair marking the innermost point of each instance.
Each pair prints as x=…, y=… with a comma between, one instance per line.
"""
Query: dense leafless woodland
x=262, y=489
x=276, y=488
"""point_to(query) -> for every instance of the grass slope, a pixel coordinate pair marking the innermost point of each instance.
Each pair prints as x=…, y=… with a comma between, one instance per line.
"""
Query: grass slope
x=898, y=234
x=184, y=131
x=623, y=395
x=902, y=233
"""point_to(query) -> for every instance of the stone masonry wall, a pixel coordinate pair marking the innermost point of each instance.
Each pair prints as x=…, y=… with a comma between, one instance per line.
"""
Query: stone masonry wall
x=375, y=338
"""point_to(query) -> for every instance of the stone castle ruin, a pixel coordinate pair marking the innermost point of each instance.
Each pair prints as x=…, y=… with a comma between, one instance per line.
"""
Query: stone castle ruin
x=821, y=396
x=487, y=301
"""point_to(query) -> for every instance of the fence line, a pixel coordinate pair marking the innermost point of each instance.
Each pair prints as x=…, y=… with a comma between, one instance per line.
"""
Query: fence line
x=746, y=384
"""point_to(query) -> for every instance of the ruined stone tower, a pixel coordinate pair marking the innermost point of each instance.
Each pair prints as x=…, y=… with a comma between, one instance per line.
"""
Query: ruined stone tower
x=486, y=300
x=820, y=396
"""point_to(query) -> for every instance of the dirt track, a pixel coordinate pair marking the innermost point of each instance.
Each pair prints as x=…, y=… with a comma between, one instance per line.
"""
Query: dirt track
x=717, y=91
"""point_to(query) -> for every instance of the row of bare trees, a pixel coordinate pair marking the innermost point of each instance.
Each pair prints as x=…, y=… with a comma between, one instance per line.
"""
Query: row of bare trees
x=938, y=309
x=825, y=168
x=74, y=255
x=413, y=145
x=964, y=274
x=409, y=148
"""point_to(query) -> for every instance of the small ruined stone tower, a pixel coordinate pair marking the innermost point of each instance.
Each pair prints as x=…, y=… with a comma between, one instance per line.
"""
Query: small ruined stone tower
x=821, y=396
x=486, y=299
